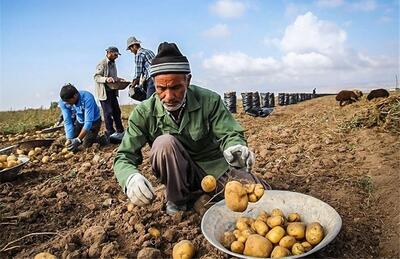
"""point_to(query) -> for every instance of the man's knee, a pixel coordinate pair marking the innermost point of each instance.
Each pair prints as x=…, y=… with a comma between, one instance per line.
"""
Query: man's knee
x=164, y=143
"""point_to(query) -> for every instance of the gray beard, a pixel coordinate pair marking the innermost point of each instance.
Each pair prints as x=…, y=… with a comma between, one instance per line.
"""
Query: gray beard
x=176, y=107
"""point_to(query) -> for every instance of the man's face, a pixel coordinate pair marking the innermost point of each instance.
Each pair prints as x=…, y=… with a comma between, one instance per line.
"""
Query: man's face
x=171, y=88
x=134, y=48
x=72, y=100
x=111, y=55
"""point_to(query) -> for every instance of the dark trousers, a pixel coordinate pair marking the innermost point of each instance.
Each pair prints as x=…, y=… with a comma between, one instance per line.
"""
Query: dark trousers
x=150, y=88
x=92, y=136
x=112, y=112
x=172, y=164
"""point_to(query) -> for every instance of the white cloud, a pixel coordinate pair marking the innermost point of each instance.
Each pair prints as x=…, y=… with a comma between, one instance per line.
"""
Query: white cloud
x=314, y=53
x=364, y=5
x=228, y=8
x=307, y=60
x=329, y=3
x=238, y=63
x=385, y=19
x=308, y=34
x=217, y=31
x=274, y=42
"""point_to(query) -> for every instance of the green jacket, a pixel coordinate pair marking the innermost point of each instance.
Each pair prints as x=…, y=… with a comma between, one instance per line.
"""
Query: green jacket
x=207, y=128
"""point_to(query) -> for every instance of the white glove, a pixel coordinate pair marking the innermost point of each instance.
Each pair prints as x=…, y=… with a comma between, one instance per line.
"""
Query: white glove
x=239, y=156
x=139, y=190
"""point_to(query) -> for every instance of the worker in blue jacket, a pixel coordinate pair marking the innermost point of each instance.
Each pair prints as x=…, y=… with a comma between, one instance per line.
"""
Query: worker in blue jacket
x=88, y=120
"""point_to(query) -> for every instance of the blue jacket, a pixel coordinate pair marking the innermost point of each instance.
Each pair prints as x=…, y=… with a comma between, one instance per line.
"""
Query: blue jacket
x=85, y=109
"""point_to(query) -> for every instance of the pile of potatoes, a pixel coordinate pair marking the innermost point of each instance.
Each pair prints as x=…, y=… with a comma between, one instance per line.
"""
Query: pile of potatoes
x=273, y=235
x=8, y=161
x=238, y=195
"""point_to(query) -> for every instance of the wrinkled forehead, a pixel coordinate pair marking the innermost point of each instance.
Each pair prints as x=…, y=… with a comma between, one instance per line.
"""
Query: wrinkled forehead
x=170, y=79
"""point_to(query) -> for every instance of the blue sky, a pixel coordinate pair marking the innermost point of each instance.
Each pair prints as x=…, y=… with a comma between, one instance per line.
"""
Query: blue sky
x=239, y=45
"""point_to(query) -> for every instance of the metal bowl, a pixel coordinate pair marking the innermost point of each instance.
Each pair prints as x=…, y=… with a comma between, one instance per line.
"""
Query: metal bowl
x=219, y=218
x=11, y=173
x=29, y=144
x=118, y=85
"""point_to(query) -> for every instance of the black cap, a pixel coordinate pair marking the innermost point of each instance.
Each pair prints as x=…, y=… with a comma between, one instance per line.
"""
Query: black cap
x=169, y=60
x=113, y=49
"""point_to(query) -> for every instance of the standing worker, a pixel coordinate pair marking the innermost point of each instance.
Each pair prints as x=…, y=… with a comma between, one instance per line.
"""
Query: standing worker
x=106, y=72
x=143, y=58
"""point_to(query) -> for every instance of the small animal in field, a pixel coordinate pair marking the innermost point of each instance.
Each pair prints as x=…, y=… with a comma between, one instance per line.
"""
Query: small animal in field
x=377, y=93
x=346, y=97
x=358, y=93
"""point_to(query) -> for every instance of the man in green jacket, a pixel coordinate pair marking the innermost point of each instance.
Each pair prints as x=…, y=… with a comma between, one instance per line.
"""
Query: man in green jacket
x=191, y=134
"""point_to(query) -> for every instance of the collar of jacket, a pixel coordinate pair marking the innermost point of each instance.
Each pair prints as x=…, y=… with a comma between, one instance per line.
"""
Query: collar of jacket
x=192, y=104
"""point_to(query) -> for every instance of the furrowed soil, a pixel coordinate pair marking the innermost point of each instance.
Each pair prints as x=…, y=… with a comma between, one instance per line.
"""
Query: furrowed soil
x=74, y=208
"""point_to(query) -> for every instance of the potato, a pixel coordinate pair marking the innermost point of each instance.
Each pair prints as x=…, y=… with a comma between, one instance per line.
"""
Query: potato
x=68, y=155
x=249, y=187
x=64, y=151
x=275, y=234
x=228, y=239
x=67, y=142
x=257, y=245
x=31, y=153
x=261, y=227
x=183, y=250
x=20, y=152
x=293, y=217
x=236, y=196
x=314, y=233
x=209, y=183
x=263, y=216
x=237, y=233
x=12, y=163
x=244, y=235
x=297, y=249
x=241, y=238
x=274, y=221
x=237, y=247
x=3, y=165
x=38, y=150
x=259, y=191
x=130, y=207
x=154, y=232
x=44, y=255
x=296, y=230
x=307, y=246
x=277, y=212
x=241, y=225
x=12, y=158
x=280, y=252
x=45, y=159
x=3, y=158
x=252, y=197
x=287, y=242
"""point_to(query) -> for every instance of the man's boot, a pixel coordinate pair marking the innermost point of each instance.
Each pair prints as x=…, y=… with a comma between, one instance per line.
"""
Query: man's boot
x=230, y=101
x=247, y=99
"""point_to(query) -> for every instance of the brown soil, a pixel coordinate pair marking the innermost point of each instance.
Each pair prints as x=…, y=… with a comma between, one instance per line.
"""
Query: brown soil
x=302, y=148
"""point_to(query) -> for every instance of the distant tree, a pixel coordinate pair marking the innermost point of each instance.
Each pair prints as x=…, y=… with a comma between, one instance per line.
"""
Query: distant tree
x=53, y=105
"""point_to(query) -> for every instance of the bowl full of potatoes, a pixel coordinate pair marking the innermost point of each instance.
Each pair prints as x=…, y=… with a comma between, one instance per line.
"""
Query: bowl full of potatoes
x=279, y=224
x=11, y=164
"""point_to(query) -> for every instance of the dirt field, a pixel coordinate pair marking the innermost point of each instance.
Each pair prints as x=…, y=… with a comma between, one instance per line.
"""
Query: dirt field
x=307, y=148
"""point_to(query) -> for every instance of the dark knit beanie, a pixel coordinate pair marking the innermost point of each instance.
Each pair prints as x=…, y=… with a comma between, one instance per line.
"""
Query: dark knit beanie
x=169, y=60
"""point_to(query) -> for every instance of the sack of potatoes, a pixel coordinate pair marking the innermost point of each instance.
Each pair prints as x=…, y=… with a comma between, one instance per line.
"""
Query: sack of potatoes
x=272, y=235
